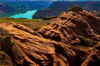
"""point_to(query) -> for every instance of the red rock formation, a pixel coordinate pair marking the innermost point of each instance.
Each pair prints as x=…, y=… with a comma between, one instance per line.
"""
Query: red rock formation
x=33, y=50
x=70, y=24
x=93, y=58
x=52, y=45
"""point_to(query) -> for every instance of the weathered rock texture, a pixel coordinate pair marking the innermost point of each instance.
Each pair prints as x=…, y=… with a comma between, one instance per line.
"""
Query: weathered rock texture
x=52, y=45
x=70, y=24
x=33, y=50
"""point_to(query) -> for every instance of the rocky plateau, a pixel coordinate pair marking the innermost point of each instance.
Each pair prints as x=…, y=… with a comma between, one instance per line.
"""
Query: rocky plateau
x=55, y=44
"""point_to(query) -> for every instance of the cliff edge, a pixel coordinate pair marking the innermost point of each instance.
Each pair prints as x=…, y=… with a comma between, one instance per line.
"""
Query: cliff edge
x=55, y=44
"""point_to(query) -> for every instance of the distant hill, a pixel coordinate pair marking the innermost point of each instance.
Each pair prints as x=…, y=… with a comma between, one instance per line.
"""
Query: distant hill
x=58, y=7
x=13, y=6
x=85, y=5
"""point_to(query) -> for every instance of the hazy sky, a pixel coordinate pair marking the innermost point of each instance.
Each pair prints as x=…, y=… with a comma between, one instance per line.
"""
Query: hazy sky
x=66, y=0
x=76, y=0
x=49, y=0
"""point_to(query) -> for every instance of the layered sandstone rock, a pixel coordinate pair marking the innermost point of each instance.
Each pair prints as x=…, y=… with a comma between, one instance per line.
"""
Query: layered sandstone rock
x=93, y=58
x=52, y=45
x=34, y=50
x=71, y=24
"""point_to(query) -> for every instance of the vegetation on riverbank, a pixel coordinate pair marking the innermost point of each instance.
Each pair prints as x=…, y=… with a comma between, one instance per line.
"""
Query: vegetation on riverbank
x=31, y=23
